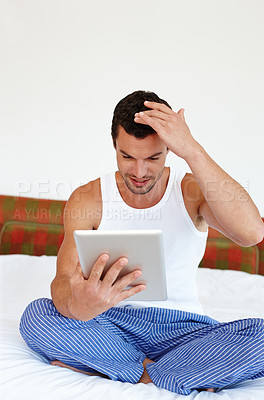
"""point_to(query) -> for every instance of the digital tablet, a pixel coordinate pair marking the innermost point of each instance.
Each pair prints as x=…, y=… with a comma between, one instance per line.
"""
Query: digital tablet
x=143, y=249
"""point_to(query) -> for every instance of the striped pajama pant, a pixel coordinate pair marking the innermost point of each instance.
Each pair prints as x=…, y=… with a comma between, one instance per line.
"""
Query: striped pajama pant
x=189, y=351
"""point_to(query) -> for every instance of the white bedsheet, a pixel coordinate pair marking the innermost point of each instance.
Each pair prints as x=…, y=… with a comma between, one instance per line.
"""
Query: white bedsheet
x=225, y=295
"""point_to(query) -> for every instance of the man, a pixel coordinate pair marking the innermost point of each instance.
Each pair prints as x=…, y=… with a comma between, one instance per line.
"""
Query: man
x=90, y=325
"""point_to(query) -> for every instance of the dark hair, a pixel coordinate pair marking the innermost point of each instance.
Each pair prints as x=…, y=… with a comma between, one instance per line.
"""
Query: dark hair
x=125, y=110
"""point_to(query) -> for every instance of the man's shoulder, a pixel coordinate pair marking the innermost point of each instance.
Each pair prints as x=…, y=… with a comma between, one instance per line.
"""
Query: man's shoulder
x=84, y=206
x=87, y=194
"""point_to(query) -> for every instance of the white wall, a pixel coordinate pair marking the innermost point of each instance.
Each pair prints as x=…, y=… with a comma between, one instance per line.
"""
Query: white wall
x=65, y=64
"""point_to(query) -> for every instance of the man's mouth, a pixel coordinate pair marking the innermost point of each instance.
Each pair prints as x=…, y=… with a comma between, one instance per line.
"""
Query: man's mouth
x=139, y=182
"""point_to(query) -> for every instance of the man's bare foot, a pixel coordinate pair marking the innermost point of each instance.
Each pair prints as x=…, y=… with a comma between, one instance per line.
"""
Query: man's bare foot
x=145, y=376
x=61, y=364
x=206, y=390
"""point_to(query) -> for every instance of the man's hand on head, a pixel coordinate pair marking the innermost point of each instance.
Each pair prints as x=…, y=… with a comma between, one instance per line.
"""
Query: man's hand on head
x=170, y=126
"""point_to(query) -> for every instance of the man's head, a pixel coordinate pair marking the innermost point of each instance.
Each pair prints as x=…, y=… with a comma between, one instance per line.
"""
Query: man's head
x=140, y=161
x=124, y=114
x=140, y=152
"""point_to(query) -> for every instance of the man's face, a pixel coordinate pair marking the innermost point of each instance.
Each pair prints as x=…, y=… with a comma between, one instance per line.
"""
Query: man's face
x=140, y=161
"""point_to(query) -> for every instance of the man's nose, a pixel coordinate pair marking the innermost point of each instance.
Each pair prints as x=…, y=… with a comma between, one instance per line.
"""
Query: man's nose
x=140, y=169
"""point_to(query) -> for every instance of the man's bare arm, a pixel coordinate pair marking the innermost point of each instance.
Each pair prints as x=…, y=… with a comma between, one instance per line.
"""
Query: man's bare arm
x=226, y=204
x=67, y=258
x=72, y=294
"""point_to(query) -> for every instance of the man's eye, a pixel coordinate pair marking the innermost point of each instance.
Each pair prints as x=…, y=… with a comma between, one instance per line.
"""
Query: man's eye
x=153, y=158
x=126, y=157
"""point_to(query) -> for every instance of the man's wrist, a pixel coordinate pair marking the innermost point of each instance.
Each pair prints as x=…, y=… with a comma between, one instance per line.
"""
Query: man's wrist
x=195, y=154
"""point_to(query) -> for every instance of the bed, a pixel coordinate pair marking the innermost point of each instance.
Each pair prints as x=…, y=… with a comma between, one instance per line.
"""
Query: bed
x=230, y=282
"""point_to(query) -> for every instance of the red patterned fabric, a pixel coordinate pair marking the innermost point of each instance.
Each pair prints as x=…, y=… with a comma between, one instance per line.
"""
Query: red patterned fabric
x=31, y=238
x=35, y=226
x=30, y=226
x=221, y=253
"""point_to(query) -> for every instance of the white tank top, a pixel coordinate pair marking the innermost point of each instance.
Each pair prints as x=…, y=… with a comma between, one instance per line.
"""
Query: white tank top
x=184, y=244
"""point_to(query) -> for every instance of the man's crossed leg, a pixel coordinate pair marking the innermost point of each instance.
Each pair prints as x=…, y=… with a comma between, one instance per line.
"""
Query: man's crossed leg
x=175, y=350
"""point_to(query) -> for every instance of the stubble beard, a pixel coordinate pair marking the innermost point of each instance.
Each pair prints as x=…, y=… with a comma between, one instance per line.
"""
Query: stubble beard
x=147, y=189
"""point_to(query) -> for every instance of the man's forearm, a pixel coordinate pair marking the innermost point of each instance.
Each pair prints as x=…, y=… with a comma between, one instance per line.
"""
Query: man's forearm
x=228, y=200
x=61, y=295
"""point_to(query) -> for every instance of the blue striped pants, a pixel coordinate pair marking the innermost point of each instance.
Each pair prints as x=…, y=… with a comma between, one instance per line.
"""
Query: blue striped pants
x=189, y=351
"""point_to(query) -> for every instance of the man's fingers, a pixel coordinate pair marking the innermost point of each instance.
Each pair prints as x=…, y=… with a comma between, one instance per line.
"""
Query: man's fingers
x=156, y=124
x=181, y=114
x=98, y=268
x=156, y=114
x=126, y=280
x=158, y=106
x=139, y=120
x=130, y=292
x=113, y=272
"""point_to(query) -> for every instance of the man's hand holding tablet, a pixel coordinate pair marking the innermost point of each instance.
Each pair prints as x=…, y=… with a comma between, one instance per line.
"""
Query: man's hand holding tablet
x=94, y=295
